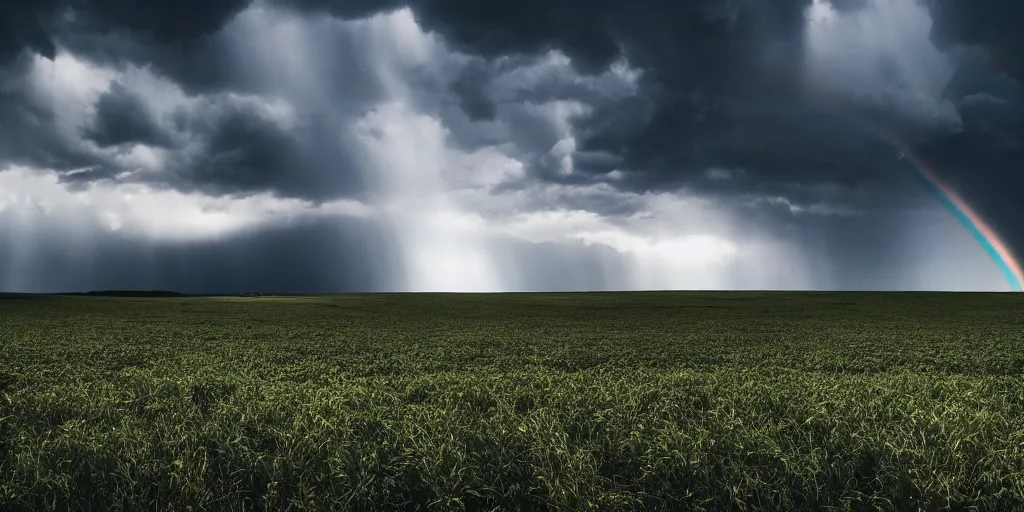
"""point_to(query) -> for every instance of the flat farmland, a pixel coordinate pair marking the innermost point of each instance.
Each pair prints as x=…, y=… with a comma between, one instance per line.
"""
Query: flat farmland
x=602, y=401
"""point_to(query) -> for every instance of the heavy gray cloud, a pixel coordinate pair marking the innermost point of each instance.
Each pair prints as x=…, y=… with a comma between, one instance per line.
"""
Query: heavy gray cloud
x=23, y=25
x=720, y=82
x=992, y=25
x=36, y=24
x=31, y=133
x=123, y=117
x=773, y=109
x=316, y=257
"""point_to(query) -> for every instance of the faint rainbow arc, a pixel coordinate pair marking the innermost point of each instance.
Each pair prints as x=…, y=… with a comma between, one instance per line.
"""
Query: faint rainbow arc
x=985, y=235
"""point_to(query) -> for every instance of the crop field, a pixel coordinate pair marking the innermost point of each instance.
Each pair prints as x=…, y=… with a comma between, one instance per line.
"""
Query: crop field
x=603, y=401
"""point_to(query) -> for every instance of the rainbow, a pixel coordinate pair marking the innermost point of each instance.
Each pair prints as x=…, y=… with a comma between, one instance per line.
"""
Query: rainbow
x=986, y=236
x=968, y=218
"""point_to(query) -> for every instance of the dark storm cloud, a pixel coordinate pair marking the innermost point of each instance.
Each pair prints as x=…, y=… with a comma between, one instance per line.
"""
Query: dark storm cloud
x=171, y=36
x=220, y=145
x=993, y=24
x=163, y=21
x=152, y=33
x=718, y=88
x=224, y=146
x=32, y=24
x=718, y=107
x=241, y=150
x=198, y=66
x=849, y=5
x=494, y=29
x=473, y=99
x=349, y=9
x=309, y=257
x=984, y=161
x=24, y=25
x=710, y=67
x=30, y=135
x=122, y=116
x=233, y=147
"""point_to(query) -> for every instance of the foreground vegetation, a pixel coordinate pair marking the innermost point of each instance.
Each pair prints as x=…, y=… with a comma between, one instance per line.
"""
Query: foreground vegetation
x=711, y=401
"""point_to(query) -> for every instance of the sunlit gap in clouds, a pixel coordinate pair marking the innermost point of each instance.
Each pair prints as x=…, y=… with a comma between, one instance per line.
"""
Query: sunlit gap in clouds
x=403, y=152
x=672, y=241
x=444, y=246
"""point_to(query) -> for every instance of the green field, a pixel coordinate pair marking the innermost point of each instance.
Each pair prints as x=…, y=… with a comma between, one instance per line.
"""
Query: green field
x=611, y=401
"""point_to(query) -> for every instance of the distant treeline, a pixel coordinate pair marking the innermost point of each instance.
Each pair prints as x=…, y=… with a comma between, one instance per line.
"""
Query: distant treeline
x=165, y=293
x=129, y=293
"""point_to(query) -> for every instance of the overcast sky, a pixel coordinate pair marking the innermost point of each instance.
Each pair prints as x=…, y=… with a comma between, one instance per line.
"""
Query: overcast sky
x=467, y=145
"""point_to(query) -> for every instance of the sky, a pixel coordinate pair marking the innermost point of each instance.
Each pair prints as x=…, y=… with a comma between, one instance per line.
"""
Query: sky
x=224, y=146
